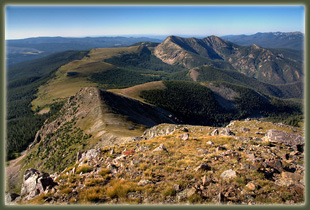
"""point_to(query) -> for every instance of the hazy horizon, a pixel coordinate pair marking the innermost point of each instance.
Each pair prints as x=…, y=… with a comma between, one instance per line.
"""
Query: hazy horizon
x=150, y=36
x=200, y=21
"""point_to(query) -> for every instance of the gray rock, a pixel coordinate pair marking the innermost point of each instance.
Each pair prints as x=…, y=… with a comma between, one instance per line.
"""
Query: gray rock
x=273, y=163
x=294, y=140
x=143, y=182
x=229, y=174
x=226, y=132
x=185, y=194
x=202, y=151
x=89, y=155
x=113, y=168
x=215, y=132
x=176, y=187
x=248, y=167
x=184, y=136
x=220, y=148
x=210, y=143
x=202, y=167
x=161, y=147
x=206, y=180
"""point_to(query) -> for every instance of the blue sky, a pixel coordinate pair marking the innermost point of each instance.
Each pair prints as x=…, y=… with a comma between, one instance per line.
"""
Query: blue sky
x=81, y=21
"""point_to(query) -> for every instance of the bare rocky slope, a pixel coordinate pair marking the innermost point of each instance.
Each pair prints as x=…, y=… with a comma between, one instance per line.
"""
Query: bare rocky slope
x=246, y=162
x=264, y=64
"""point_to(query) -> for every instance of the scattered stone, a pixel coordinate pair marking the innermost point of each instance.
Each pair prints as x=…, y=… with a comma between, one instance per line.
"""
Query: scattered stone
x=176, y=187
x=89, y=155
x=229, y=174
x=210, y=143
x=226, y=132
x=273, y=163
x=247, y=119
x=202, y=151
x=185, y=194
x=215, y=132
x=245, y=129
x=221, y=197
x=251, y=186
x=184, y=136
x=248, y=167
x=203, y=167
x=113, y=168
x=206, y=180
x=143, y=182
x=220, y=148
x=184, y=129
x=292, y=176
x=142, y=148
x=161, y=147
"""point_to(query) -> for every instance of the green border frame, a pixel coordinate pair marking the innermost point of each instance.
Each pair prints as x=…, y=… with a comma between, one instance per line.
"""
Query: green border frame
x=3, y=3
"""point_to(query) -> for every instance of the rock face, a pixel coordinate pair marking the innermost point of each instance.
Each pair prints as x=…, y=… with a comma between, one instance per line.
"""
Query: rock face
x=294, y=140
x=36, y=182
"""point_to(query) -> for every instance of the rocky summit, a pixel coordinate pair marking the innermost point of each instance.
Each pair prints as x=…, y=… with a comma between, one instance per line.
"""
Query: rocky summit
x=241, y=163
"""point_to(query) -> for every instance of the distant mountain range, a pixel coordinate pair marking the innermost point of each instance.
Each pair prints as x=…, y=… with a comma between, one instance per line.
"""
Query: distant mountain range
x=20, y=50
x=291, y=40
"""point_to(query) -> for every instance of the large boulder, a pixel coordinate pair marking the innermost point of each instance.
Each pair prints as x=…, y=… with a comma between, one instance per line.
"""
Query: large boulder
x=290, y=139
x=36, y=182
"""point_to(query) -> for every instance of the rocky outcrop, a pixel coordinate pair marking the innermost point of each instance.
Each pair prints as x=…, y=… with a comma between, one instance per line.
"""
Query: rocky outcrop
x=280, y=137
x=36, y=182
